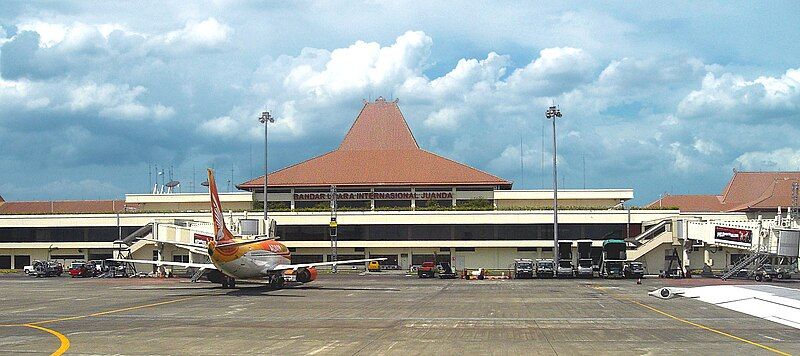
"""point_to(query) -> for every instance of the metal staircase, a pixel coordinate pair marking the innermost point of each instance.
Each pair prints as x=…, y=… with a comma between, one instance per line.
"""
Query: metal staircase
x=755, y=257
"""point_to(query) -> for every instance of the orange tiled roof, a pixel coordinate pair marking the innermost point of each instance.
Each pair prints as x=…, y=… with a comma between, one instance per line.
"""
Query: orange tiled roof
x=689, y=202
x=379, y=149
x=745, y=191
x=62, y=207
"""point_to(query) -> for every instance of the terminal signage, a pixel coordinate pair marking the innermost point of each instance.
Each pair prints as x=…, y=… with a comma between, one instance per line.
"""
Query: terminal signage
x=733, y=235
x=444, y=195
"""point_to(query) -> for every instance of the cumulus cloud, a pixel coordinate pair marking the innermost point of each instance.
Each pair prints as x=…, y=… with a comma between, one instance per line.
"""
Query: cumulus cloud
x=706, y=147
x=41, y=50
x=556, y=70
x=732, y=96
x=784, y=159
x=93, y=89
x=115, y=102
x=206, y=34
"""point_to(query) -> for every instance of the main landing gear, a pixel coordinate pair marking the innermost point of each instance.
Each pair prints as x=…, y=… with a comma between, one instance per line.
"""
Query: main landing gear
x=277, y=282
x=228, y=282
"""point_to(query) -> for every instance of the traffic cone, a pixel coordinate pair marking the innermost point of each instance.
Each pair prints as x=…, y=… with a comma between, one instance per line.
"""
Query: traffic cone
x=639, y=280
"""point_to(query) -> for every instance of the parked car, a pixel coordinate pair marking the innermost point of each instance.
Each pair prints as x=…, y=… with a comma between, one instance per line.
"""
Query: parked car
x=523, y=268
x=545, y=268
x=374, y=266
x=765, y=273
x=446, y=271
x=634, y=270
x=82, y=269
x=427, y=270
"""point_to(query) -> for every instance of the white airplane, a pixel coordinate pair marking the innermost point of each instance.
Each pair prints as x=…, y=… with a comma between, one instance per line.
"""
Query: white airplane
x=232, y=258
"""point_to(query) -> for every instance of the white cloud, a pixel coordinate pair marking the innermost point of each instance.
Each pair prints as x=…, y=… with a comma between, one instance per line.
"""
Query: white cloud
x=680, y=160
x=786, y=158
x=556, y=70
x=222, y=125
x=205, y=34
x=445, y=118
x=363, y=65
x=114, y=101
x=50, y=34
x=706, y=147
x=732, y=96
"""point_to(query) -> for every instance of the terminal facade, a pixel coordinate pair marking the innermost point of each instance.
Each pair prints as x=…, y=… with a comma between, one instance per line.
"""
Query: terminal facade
x=394, y=200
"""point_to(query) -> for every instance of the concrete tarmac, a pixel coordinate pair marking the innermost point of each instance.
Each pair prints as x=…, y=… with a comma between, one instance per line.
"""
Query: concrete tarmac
x=374, y=315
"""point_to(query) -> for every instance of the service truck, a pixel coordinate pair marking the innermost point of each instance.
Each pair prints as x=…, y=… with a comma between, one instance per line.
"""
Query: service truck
x=585, y=259
x=614, y=255
x=565, y=267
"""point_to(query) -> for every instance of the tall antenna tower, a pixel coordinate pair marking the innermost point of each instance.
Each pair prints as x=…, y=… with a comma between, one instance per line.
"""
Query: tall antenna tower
x=584, y=170
x=521, y=164
x=795, y=199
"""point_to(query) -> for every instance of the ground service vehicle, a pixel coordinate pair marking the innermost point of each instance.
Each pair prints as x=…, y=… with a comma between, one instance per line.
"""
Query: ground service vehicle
x=81, y=269
x=614, y=255
x=523, y=268
x=565, y=267
x=765, y=273
x=46, y=269
x=427, y=270
x=446, y=271
x=374, y=266
x=545, y=268
x=585, y=259
x=634, y=270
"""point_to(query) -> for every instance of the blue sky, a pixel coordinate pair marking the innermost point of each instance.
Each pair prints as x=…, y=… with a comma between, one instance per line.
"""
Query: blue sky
x=666, y=97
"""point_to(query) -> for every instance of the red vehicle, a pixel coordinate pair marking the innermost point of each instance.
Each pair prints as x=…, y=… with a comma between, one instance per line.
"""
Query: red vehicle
x=427, y=270
x=81, y=269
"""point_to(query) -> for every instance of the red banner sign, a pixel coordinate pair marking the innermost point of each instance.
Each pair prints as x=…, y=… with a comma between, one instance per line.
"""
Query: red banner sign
x=733, y=235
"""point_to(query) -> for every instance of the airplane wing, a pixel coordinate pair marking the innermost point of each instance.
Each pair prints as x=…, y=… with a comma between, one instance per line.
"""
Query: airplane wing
x=332, y=263
x=167, y=263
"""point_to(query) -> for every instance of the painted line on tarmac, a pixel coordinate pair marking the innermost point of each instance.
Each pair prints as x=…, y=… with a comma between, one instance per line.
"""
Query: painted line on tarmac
x=112, y=311
x=63, y=339
x=63, y=347
x=779, y=352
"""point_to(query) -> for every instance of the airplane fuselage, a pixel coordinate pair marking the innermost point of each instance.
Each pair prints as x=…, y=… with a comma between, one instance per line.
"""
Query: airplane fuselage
x=249, y=261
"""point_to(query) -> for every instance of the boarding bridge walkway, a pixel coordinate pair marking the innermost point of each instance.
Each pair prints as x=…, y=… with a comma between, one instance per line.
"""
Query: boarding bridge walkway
x=650, y=239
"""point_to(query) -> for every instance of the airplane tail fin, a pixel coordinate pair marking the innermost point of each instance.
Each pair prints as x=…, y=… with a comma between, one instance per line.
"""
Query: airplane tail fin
x=221, y=232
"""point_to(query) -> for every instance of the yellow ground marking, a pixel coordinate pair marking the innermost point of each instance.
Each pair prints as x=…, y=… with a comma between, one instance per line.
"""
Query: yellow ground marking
x=779, y=352
x=111, y=311
x=64, y=340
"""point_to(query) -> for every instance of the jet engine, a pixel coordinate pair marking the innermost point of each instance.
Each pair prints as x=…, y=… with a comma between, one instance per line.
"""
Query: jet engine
x=305, y=275
x=667, y=293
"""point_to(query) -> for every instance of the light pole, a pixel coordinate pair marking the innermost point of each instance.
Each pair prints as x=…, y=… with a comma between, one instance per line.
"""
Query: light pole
x=552, y=113
x=265, y=119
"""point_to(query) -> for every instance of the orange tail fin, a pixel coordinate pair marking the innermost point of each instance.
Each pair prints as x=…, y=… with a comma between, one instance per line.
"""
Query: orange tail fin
x=221, y=232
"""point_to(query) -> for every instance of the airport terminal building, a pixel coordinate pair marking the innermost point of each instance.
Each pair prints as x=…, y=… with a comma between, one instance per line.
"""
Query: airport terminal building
x=394, y=200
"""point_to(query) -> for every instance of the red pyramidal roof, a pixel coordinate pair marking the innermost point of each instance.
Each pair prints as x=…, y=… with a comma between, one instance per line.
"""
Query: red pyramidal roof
x=379, y=149
x=746, y=191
